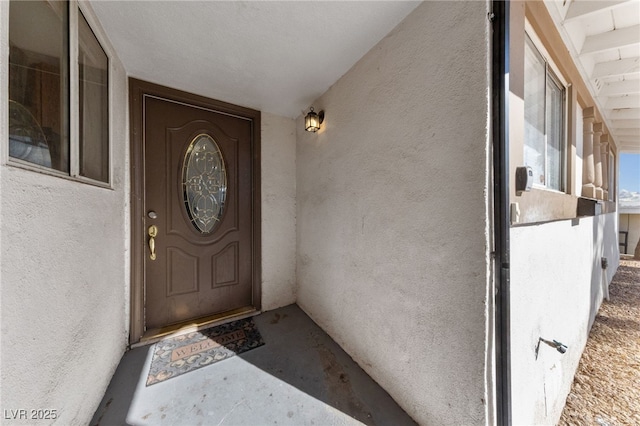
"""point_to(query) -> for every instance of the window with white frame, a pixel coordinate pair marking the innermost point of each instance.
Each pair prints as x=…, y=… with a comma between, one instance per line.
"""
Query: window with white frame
x=47, y=88
x=544, y=120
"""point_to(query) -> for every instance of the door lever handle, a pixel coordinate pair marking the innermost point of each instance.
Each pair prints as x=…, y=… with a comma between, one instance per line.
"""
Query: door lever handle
x=153, y=232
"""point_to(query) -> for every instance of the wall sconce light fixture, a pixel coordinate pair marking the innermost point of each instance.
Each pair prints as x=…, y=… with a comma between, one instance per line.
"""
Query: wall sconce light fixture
x=313, y=120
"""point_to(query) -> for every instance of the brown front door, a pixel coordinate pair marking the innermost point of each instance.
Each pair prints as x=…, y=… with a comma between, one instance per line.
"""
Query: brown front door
x=198, y=209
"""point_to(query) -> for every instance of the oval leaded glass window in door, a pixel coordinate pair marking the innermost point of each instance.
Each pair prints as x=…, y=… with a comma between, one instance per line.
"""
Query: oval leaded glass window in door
x=204, y=179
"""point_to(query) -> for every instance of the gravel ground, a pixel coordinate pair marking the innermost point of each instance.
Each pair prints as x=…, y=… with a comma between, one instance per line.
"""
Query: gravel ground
x=606, y=388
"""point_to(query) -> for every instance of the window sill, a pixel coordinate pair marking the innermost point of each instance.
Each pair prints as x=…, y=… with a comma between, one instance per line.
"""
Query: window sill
x=18, y=164
x=541, y=205
x=593, y=207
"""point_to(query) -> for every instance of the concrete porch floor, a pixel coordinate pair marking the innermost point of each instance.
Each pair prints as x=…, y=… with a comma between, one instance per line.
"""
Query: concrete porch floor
x=298, y=377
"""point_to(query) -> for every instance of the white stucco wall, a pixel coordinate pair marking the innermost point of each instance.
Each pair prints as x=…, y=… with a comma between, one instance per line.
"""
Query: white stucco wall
x=391, y=213
x=64, y=262
x=278, y=146
x=557, y=285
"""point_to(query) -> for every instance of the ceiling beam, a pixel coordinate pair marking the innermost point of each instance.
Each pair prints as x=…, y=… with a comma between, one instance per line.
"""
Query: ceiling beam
x=630, y=148
x=616, y=68
x=628, y=145
x=624, y=114
x=583, y=8
x=610, y=40
x=628, y=141
x=617, y=88
x=625, y=124
x=627, y=133
x=632, y=101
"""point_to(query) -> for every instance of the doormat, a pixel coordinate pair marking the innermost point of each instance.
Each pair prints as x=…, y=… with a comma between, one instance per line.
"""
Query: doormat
x=181, y=354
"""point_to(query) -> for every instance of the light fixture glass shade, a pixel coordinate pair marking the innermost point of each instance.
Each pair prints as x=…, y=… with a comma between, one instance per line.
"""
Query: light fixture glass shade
x=312, y=122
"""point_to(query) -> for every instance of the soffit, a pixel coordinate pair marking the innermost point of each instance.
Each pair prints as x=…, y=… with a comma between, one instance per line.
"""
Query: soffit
x=603, y=38
x=273, y=56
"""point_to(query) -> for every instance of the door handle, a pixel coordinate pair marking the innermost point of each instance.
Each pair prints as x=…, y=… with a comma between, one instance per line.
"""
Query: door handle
x=153, y=232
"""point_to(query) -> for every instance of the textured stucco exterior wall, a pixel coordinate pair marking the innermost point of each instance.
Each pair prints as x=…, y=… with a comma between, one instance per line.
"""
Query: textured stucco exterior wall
x=65, y=274
x=278, y=143
x=391, y=213
x=557, y=285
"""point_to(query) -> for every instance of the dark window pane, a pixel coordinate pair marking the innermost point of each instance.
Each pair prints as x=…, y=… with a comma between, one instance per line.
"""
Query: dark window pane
x=94, y=104
x=39, y=83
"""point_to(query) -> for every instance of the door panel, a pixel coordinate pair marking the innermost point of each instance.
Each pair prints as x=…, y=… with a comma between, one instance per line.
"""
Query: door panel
x=226, y=265
x=196, y=273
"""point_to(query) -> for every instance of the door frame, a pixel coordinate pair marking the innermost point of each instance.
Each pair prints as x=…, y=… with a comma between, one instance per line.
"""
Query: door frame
x=138, y=90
